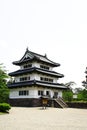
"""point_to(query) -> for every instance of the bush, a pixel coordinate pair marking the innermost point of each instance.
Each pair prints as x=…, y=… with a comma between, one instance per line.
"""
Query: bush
x=4, y=107
x=82, y=95
x=4, y=95
x=68, y=96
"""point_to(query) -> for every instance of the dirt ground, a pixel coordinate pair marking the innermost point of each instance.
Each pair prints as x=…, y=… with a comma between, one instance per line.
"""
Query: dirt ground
x=21, y=118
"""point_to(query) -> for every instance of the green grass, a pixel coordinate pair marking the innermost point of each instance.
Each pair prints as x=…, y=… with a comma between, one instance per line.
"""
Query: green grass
x=1, y=113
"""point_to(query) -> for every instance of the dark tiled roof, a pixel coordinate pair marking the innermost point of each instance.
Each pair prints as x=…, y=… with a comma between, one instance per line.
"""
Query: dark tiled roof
x=29, y=56
x=38, y=70
x=86, y=71
x=84, y=82
x=35, y=82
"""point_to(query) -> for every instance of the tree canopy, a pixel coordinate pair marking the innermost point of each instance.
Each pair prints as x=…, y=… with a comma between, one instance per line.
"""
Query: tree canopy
x=4, y=92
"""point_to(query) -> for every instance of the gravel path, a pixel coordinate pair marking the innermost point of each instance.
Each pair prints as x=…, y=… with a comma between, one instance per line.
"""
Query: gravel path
x=21, y=118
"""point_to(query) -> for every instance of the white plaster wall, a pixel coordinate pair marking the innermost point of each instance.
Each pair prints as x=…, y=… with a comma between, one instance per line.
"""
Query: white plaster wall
x=37, y=77
x=51, y=68
x=60, y=94
x=17, y=79
x=33, y=92
x=55, y=80
x=32, y=77
x=14, y=93
x=21, y=67
x=35, y=64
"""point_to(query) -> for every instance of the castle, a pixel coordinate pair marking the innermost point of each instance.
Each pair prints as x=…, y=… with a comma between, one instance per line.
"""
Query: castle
x=34, y=79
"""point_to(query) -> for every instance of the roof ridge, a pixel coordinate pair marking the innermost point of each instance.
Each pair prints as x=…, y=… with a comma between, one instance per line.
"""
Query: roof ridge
x=45, y=56
x=37, y=53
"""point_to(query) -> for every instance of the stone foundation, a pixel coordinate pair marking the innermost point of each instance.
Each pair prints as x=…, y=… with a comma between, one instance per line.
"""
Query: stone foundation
x=25, y=102
x=77, y=105
x=32, y=102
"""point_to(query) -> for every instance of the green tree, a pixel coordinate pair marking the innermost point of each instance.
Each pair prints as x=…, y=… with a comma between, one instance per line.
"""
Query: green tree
x=82, y=95
x=4, y=92
x=68, y=95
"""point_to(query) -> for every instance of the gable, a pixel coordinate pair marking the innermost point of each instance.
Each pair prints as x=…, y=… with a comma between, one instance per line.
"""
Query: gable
x=31, y=55
x=26, y=56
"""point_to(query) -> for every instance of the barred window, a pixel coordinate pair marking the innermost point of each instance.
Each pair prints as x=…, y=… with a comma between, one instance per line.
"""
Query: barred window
x=46, y=79
x=23, y=93
x=28, y=66
x=44, y=67
x=24, y=78
x=40, y=92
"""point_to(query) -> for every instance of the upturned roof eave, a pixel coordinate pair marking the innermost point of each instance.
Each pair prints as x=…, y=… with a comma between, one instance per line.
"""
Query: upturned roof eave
x=84, y=82
x=86, y=71
x=35, y=59
x=38, y=70
x=35, y=82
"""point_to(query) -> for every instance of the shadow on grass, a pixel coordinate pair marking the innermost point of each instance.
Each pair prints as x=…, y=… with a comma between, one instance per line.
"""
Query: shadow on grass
x=2, y=113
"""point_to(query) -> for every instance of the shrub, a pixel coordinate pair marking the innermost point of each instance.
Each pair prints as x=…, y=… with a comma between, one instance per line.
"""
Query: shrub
x=4, y=94
x=68, y=95
x=82, y=95
x=4, y=107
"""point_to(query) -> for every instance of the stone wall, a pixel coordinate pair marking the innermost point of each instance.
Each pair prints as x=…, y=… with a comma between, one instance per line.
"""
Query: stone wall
x=77, y=105
x=31, y=103
x=25, y=102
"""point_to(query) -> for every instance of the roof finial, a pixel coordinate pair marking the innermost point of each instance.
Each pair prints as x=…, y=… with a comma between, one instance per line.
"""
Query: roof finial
x=27, y=49
x=45, y=55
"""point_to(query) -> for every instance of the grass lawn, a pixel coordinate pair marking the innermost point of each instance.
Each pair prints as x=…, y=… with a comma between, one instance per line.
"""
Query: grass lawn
x=1, y=113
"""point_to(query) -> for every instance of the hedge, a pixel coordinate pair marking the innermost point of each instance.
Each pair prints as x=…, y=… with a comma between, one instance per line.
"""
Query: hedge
x=4, y=107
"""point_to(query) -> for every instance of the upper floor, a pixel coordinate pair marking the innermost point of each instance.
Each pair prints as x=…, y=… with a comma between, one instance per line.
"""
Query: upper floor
x=37, y=65
x=35, y=76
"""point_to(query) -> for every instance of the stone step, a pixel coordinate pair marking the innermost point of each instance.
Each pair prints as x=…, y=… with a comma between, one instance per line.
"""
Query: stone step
x=61, y=102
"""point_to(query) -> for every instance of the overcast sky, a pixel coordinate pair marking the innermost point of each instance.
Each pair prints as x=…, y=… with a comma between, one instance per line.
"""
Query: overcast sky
x=55, y=27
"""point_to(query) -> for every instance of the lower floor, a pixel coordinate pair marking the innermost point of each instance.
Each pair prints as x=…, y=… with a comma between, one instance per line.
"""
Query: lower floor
x=31, y=96
x=34, y=92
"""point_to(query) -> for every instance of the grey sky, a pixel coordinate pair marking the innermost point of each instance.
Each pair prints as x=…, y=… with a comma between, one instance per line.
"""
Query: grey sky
x=55, y=27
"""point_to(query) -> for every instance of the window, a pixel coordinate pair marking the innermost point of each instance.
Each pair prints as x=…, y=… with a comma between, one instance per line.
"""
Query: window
x=40, y=92
x=23, y=93
x=24, y=78
x=44, y=67
x=46, y=79
x=27, y=65
x=41, y=78
x=50, y=80
x=47, y=93
x=55, y=94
